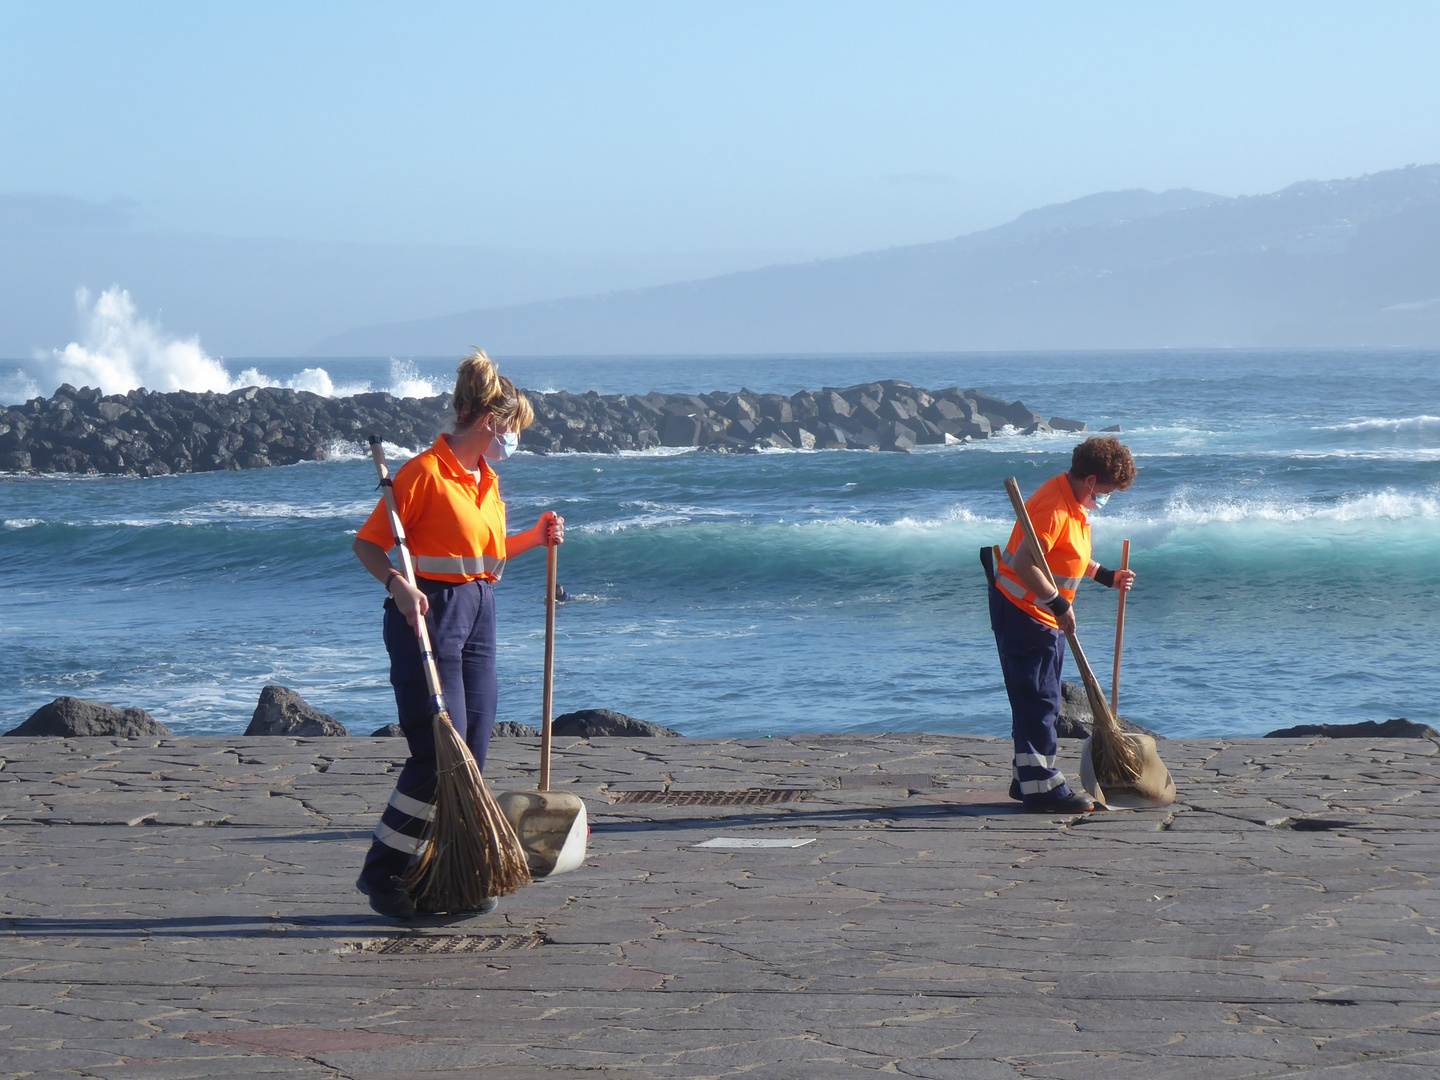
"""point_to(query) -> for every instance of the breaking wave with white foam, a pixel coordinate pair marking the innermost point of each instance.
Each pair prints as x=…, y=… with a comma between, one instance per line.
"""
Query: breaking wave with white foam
x=120, y=350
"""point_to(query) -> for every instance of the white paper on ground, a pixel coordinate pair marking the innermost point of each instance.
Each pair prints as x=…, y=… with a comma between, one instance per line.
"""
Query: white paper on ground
x=757, y=842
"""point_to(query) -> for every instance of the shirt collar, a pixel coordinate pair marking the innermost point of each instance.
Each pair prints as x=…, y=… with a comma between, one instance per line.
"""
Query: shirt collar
x=451, y=464
x=1068, y=494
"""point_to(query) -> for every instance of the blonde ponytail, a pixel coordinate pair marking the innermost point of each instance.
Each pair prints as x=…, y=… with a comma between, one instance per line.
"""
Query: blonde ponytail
x=480, y=389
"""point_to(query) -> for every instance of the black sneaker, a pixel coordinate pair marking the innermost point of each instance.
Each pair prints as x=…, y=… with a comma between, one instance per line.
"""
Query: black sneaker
x=1015, y=791
x=1077, y=802
x=390, y=899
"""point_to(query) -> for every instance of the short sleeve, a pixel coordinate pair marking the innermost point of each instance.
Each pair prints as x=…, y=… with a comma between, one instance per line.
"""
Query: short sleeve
x=411, y=489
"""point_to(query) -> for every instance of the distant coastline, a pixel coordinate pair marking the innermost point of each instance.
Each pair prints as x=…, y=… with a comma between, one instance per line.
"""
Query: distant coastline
x=155, y=434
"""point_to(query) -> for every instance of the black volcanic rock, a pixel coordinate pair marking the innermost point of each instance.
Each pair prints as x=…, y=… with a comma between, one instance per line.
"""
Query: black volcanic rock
x=281, y=711
x=1076, y=718
x=69, y=718
x=151, y=434
x=510, y=729
x=1367, y=729
x=590, y=723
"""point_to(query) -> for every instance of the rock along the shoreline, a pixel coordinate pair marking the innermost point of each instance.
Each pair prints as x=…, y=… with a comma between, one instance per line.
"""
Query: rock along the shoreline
x=1076, y=718
x=1400, y=728
x=510, y=729
x=592, y=723
x=143, y=433
x=69, y=718
x=389, y=731
x=281, y=711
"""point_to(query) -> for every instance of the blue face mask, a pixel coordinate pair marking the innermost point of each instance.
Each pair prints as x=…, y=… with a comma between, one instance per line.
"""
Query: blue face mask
x=1101, y=500
x=502, y=446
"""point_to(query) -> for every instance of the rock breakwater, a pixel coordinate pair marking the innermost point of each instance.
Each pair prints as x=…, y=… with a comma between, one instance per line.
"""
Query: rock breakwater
x=154, y=434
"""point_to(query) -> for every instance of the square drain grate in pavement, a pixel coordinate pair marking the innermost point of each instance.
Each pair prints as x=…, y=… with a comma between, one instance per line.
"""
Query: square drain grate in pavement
x=745, y=797
x=448, y=944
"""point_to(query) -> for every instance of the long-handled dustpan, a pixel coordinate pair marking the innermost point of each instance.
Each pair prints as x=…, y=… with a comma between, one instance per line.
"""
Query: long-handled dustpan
x=1154, y=786
x=552, y=825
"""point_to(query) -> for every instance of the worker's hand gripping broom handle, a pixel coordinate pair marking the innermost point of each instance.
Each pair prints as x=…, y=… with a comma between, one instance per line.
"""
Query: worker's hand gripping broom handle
x=548, y=699
x=407, y=567
x=1119, y=634
x=1037, y=553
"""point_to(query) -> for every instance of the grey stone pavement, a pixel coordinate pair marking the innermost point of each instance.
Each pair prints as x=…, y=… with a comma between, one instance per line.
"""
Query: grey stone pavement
x=185, y=908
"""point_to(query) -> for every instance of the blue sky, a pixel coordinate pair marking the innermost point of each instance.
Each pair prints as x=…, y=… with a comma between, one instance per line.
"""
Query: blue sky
x=793, y=129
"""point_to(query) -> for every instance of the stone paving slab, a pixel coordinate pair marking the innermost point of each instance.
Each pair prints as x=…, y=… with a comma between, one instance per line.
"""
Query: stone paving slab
x=185, y=908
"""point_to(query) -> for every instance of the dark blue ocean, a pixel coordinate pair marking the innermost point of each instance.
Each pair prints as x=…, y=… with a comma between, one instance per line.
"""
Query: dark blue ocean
x=1285, y=527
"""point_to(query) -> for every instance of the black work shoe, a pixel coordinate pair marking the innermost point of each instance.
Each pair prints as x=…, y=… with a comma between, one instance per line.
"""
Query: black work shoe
x=1077, y=802
x=390, y=899
x=1015, y=791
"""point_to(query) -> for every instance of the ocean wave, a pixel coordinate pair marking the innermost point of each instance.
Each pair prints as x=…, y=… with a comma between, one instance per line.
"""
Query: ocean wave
x=1380, y=423
x=1388, y=505
x=120, y=350
x=347, y=450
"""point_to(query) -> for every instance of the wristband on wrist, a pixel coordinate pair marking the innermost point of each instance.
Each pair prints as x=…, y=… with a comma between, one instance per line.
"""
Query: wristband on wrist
x=1105, y=577
x=1057, y=604
x=393, y=575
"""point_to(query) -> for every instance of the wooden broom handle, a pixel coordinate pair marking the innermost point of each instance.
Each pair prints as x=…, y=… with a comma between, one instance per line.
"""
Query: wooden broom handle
x=1037, y=554
x=547, y=701
x=1119, y=634
x=407, y=567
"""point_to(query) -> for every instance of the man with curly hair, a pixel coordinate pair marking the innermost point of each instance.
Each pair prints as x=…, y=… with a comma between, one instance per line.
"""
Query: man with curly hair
x=1030, y=618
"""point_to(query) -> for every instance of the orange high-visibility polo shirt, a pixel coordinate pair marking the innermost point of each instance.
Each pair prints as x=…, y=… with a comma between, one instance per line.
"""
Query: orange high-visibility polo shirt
x=1063, y=528
x=454, y=524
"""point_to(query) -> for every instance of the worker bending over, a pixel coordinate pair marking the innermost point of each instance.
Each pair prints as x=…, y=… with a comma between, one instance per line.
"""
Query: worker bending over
x=1030, y=618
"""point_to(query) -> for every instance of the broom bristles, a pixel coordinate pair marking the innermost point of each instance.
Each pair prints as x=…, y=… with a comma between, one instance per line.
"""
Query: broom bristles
x=470, y=850
x=1113, y=756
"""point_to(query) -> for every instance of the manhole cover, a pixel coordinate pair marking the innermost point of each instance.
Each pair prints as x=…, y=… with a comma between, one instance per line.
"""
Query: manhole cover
x=445, y=944
x=747, y=797
x=909, y=781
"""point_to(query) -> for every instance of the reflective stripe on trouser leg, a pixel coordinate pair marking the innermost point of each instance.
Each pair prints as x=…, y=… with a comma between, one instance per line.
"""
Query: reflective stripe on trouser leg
x=1030, y=656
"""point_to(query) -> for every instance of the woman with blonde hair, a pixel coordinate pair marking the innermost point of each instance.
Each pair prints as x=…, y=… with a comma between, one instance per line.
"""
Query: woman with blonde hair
x=448, y=498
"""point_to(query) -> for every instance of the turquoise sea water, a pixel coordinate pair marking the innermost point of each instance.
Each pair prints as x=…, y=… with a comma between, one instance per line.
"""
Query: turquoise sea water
x=1285, y=527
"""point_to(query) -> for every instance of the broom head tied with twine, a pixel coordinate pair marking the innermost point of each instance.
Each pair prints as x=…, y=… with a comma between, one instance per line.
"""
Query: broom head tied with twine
x=470, y=851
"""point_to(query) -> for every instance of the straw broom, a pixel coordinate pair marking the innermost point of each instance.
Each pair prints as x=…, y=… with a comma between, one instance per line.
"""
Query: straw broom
x=469, y=851
x=1111, y=754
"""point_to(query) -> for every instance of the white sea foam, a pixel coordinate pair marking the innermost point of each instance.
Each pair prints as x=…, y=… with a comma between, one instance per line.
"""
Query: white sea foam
x=121, y=350
x=1380, y=423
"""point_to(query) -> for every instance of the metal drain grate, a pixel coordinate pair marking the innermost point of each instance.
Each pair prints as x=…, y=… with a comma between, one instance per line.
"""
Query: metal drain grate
x=448, y=944
x=747, y=797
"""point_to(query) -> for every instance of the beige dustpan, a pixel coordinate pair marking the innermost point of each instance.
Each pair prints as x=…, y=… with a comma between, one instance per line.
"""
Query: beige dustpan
x=552, y=825
x=1155, y=787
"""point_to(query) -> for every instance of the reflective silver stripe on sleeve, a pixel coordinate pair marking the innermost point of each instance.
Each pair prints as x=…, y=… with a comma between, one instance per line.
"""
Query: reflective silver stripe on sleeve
x=1015, y=589
x=460, y=564
x=1037, y=760
x=410, y=845
x=422, y=811
x=1071, y=583
x=1039, y=787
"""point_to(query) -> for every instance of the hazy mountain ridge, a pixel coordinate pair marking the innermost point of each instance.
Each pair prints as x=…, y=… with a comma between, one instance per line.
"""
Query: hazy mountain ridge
x=1339, y=262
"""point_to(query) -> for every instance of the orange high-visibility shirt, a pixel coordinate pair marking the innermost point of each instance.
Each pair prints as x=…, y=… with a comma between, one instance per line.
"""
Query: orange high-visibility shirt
x=1064, y=531
x=454, y=524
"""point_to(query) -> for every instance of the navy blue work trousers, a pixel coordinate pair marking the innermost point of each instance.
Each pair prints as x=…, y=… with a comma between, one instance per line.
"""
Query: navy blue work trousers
x=462, y=635
x=1031, y=655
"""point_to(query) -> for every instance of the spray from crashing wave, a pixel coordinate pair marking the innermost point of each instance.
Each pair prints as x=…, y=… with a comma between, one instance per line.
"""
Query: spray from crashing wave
x=121, y=350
